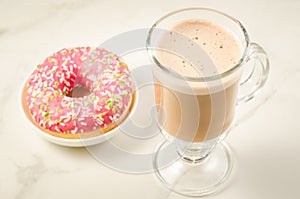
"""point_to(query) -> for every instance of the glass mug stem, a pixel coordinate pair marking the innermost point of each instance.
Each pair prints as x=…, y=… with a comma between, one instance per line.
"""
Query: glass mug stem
x=194, y=153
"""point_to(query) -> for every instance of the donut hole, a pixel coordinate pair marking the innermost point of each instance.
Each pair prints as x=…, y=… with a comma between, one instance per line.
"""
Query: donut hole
x=79, y=91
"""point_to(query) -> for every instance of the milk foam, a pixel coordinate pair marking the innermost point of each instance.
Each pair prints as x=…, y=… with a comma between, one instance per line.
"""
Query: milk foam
x=195, y=49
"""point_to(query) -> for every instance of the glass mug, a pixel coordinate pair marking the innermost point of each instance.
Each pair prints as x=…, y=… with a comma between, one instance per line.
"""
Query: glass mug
x=196, y=107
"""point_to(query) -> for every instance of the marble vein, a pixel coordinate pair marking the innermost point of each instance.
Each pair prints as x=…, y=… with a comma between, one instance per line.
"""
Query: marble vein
x=29, y=175
x=5, y=95
x=266, y=99
x=252, y=112
x=52, y=9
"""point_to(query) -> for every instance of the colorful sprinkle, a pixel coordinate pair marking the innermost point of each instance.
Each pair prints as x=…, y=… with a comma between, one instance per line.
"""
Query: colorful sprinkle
x=100, y=71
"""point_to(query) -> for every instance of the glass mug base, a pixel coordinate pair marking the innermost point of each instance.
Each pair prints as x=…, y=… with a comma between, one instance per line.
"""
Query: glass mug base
x=193, y=179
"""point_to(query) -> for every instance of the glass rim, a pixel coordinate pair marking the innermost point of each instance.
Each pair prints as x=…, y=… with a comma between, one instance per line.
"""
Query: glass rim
x=199, y=79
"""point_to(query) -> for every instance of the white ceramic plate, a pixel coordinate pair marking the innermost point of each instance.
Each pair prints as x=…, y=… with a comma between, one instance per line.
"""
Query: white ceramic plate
x=76, y=142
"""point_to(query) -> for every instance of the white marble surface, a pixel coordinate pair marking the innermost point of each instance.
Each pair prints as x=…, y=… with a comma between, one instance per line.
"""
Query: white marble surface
x=265, y=140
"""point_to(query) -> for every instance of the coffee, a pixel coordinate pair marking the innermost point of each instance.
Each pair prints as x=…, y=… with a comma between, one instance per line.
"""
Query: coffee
x=191, y=110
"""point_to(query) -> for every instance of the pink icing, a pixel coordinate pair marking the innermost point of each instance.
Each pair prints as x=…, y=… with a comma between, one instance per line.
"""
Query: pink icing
x=103, y=73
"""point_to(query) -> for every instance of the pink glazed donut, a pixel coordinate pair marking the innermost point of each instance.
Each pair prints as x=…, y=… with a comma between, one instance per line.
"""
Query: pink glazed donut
x=48, y=96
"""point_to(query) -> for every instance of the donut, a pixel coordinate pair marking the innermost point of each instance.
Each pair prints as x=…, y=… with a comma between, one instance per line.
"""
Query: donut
x=49, y=95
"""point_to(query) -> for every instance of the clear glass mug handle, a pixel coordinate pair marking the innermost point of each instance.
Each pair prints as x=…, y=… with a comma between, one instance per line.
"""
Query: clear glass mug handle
x=255, y=74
